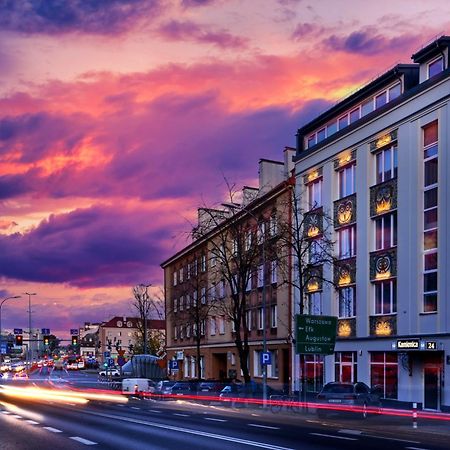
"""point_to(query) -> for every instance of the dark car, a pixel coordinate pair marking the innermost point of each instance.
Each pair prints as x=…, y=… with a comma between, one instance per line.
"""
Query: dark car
x=241, y=393
x=343, y=397
x=211, y=386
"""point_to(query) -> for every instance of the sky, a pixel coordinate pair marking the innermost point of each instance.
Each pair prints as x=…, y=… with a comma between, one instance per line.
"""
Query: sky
x=119, y=118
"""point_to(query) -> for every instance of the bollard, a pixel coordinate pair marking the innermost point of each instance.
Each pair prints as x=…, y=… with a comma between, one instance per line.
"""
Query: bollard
x=414, y=415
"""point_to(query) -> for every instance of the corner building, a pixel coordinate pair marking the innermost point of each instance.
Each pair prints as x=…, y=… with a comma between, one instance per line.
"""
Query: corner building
x=378, y=162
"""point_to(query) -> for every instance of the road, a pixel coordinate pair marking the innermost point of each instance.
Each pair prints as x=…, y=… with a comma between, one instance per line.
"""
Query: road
x=150, y=424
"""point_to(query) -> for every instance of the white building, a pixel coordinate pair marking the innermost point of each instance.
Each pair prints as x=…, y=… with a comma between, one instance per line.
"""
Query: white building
x=379, y=163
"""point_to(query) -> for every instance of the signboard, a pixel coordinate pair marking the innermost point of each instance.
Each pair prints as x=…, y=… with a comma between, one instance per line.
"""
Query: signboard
x=18, y=331
x=265, y=358
x=408, y=344
x=430, y=345
x=45, y=330
x=73, y=331
x=174, y=364
x=180, y=355
x=315, y=334
x=3, y=348
x=106, y=354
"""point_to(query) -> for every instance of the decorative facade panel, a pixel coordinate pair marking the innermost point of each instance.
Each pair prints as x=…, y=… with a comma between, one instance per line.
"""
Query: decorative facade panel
x=346, y=328
x=343, y=161
x=383, y=326
x=314, y=279
x=345, y=272
x=382, y=141
x=313, y=175
x=345, y=211
x=313, y=224
x=383, y=197
x=383, y=264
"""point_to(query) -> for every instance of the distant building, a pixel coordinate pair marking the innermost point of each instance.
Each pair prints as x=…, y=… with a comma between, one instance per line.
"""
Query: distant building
x=89, y=340
x=379, y=162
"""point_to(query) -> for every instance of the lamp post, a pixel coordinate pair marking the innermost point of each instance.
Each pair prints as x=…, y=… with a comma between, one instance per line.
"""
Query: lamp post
x=30, y=351
x=1, y=304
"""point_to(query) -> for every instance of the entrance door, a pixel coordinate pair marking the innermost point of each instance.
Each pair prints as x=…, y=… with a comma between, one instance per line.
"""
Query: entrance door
x=431, y=388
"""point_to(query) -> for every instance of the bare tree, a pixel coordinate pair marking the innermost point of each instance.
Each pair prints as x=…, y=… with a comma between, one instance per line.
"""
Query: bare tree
x=147, y=340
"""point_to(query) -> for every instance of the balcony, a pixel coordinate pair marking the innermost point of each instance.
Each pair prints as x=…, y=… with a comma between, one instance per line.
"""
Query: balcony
x=383, y=197
x=382, y=326
x=344, y=211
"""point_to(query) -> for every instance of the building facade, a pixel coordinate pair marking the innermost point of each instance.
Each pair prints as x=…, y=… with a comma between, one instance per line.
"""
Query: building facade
x=378, y=162
x=198, y=295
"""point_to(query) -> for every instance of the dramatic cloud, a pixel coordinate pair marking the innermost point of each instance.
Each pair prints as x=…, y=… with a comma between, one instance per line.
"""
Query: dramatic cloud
x=190, y=31
x=99, y=246
x=306, y=30
x=62, y=16
x=196, y=3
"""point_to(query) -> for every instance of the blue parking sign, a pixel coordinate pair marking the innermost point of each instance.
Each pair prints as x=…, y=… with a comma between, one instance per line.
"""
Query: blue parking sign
x=174, y=365
x=266, y=358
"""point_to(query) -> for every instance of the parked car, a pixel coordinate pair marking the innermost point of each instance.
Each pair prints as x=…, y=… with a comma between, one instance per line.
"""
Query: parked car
x=211, y=386
x=245, y=391
x=164, y=387
x=356, y=397
x=110, y=372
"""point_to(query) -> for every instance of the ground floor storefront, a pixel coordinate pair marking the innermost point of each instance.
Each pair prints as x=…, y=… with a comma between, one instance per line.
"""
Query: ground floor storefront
x=222, y=363
x=406, y=369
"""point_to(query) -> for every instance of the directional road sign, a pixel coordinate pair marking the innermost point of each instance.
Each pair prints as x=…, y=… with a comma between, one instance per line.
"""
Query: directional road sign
x=73, y=331
x=45, y=330
x=315, y=334
x=18, y=331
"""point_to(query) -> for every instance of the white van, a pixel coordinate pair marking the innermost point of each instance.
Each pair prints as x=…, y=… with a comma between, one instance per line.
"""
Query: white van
x=131, y=386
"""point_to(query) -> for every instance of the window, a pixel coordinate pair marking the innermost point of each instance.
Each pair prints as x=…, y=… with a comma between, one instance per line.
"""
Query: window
x=315, y=193
x=312, y=140
x=248, y=319
x=384, y=373
x=315, y=251
x=188, y=301
x=248, y=284
x=188, y=331
x=343, y=122
x=260, y=318
x=380, y=100
x=194, y=299
x=181, y=275
x=395, y=91
x=212, y=326
x=354, y=115
x=181, y=332
x=347, y=242
x=386, y=231
x=188, y=272
x=345, y=367
x=222, y=289
x=175, y=278
x=435, y=67
x=186, y=366
x=221, y=325
x=386, y=164
x=248, y=239
x=273, y=226
x=331, y=128
x=367, y=107
x=182, y=303
x=314, y=303
x=312, y=367
x=175, y=332
x=203, y=263
x=273, y=316
x=261, y=232
x=193, y=366
x=347, y=181
x=430, y=218
x=321, y=135
x=203, y=295
x=347, y=304
x=260, y=276
x=234, y=247
x=202, y=327
x=213, y=259
x=273, y=271
x=213, y=292
x=175, y=305
x=386, y=297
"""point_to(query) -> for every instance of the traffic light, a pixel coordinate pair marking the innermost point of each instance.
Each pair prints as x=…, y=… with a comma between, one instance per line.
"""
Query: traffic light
x=74, y=340
x=19, y=339
x=46, y=340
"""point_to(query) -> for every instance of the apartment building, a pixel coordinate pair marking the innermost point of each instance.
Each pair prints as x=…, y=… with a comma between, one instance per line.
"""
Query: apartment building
x=378, y=162
x=197, y=294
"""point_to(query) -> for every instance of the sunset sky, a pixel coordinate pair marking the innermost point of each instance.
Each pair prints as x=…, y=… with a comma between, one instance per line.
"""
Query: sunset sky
x=118, y=118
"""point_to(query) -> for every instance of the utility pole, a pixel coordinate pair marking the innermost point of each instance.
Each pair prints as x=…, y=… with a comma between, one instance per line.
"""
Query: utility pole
x=29, y=349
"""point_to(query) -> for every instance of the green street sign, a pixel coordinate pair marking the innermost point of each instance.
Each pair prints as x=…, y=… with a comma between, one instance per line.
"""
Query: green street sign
x=315, y=334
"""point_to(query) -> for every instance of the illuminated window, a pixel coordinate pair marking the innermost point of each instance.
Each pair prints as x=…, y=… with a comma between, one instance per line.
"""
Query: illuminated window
x=384, y=373
x=430, y=219
x=314, y=303
x=345, y=367
x=386, y=297
x=315, y=193
x=347, y=242
x=347, y=181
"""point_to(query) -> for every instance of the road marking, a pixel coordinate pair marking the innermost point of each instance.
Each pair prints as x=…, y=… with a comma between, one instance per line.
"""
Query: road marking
x=262, y=426
x=154, y=410
x=53, y=430
x=215, y=420
x=356, y=432
x=6, y=412
x=33, y=422
x=416, y=448
x=334, y=436
x=220, y=437
x=83, y=441
x=135, y=407
x=392, y=439
x=181, y=415
x=16, y=416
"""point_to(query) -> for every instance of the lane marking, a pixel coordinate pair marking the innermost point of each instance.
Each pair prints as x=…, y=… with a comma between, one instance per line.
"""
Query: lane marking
x=53, y=430
x=195, y=432
x=263, y=426
x=83, y=441
x=33, y=422
x=416, y=448
x=215, y=420
x=135, y=407
x=181, y=415
x=356, y=432
x=6, y=412
x=154, y=410
x=334, y=436
x=16, y=416
x=392, y=439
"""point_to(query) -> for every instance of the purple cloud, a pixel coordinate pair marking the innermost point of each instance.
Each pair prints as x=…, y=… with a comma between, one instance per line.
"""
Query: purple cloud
x=99, y=246
x=182, y=31
x=303, y=30
x=196, y=3
x=369, y=42
x=91, y=16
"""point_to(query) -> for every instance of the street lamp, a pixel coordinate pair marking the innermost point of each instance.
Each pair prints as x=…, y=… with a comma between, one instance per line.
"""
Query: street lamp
x=1, y=304
x=29, y=352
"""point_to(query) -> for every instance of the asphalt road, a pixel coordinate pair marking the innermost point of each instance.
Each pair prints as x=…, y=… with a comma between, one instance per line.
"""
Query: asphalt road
x=142, y=424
